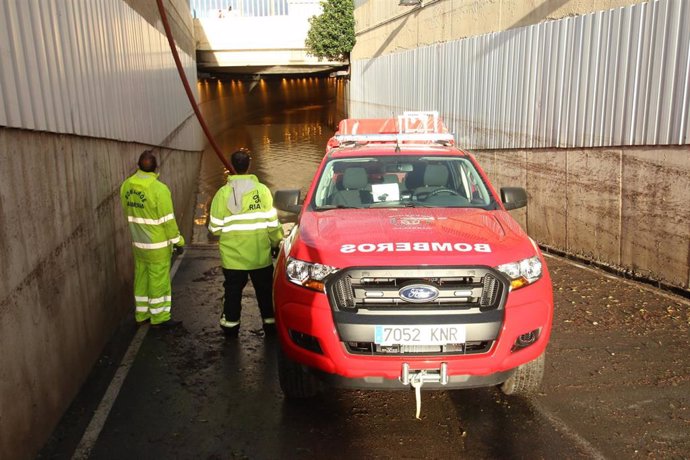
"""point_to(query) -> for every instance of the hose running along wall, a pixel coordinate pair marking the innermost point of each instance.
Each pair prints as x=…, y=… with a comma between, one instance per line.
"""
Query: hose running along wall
x=188, y=89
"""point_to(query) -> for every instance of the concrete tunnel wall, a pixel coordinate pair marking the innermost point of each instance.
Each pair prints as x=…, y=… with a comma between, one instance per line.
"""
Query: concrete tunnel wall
x=67, y=267
x=586, y=107
x=625, y=208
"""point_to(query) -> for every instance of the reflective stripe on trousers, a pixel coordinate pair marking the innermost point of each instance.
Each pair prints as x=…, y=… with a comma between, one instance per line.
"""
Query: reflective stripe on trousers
x=152, y=291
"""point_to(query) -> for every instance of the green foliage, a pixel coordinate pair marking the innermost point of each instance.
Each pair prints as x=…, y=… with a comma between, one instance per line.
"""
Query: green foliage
x=332, y=34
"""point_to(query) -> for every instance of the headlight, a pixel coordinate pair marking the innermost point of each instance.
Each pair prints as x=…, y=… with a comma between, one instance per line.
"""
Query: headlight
x=307, y=274
x=523, y=272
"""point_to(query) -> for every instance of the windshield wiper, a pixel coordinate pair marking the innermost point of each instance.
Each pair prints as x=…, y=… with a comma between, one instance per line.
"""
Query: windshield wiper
x=329, y=207
x=417, y=204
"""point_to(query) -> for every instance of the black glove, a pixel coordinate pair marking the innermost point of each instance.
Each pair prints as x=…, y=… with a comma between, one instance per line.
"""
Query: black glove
x=275, y=252
x=179, y=250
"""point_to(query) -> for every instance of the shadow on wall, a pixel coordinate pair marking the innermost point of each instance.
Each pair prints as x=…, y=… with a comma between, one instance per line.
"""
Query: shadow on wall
x=388, y=40
x=540, y=13
x=537, y=15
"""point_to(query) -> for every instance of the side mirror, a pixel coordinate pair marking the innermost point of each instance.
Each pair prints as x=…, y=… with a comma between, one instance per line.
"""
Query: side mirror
x=513, y=197
x=287, y=200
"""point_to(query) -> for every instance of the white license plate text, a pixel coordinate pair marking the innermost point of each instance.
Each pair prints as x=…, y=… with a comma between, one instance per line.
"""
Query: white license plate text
x=420, y=335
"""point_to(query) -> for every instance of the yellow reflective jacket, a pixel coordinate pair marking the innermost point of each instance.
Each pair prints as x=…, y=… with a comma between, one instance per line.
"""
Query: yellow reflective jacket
x=242, y=213
x=148, y=206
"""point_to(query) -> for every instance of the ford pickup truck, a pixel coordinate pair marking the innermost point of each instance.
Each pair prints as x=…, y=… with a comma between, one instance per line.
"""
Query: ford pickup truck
x=405, y=269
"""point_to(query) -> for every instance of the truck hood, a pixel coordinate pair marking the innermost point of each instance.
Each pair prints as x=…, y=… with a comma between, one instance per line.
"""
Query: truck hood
x=409, y=236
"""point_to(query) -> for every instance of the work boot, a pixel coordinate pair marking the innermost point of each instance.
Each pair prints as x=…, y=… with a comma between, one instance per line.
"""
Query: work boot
x=230, y=328
x=169, y=324
x=269, y=325
x=231, y=332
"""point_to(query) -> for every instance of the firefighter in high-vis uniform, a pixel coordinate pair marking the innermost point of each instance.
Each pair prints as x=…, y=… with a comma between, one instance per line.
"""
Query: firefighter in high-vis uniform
x=242, y=213
x=148, y=206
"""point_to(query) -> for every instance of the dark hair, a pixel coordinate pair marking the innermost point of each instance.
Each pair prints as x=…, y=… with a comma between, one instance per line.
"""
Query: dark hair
x=240, y=161
x=147, y=161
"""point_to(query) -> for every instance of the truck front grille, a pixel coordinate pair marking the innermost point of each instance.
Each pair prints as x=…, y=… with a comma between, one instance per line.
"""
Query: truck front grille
x=379, y=288
x=363, y=299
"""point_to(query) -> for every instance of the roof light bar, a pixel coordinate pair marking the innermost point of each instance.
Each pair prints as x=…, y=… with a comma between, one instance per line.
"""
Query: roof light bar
x=402, y=137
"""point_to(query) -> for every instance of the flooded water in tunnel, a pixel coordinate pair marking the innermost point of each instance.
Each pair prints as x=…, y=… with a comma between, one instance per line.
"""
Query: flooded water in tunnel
x=284, y=122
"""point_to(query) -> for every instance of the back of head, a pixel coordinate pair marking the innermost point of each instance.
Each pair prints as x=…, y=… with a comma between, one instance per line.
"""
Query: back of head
x=415, y=178
x=240, y=161
x=147, y=161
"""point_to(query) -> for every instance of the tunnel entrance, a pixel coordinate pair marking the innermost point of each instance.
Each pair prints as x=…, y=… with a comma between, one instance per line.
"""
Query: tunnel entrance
x=285, y=122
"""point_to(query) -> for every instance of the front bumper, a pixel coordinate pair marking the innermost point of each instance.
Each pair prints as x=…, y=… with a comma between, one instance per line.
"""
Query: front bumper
x=302, y=313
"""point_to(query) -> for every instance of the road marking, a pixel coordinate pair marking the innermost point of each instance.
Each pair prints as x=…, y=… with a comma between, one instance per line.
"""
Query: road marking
x=88, y=440
x=561, y=426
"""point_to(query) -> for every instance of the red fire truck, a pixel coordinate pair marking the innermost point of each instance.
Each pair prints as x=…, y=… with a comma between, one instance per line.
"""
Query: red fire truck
x=405, y=269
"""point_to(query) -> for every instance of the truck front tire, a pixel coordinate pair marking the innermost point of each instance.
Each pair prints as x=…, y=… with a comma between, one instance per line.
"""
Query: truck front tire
x=526, y=379
x=295, y=382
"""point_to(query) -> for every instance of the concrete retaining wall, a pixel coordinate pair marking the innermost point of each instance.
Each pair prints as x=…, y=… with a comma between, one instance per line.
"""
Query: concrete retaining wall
x=67, y=268
x=621, y=207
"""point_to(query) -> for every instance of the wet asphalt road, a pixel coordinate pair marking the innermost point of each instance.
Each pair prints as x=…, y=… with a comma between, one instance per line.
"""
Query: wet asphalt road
x=617, y=385
x=192, y=393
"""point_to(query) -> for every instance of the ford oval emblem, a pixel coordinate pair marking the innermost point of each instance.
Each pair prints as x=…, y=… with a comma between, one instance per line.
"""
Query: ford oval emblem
x=418, y=293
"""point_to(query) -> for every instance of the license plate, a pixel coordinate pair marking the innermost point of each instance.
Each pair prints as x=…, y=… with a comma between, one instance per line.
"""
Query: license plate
x=420, y=335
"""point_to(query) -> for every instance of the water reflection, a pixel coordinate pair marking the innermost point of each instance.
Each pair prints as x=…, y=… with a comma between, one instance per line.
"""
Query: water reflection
x=285, y=122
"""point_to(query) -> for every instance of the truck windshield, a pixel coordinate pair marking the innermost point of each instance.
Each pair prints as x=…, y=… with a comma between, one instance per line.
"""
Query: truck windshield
x=401, y=181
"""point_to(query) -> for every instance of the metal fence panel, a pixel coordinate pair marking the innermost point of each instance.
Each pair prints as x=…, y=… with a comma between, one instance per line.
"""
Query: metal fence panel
x=92, y=68
x=224, y=8
x=609, y=78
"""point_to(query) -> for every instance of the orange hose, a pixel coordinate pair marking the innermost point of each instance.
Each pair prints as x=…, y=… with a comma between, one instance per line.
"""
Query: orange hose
x=188, y=89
